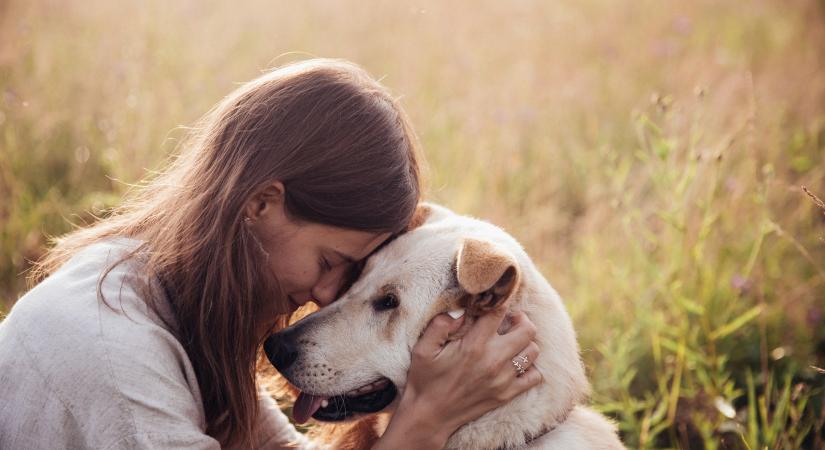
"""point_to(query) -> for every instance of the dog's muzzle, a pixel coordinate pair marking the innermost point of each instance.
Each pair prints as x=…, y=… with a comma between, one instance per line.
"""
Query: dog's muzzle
x=283, y=350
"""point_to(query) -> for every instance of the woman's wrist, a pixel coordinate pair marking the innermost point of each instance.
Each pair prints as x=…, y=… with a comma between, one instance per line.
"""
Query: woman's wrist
x=414, y=426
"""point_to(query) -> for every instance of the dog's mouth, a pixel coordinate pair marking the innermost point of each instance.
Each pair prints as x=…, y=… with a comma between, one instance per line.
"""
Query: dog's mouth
x=370, y=398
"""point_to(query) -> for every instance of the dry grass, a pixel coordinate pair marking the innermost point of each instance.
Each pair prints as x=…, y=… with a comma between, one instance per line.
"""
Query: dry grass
x=648, y=154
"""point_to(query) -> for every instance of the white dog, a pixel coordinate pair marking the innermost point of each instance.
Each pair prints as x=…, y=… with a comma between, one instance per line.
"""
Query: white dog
x=351, y=358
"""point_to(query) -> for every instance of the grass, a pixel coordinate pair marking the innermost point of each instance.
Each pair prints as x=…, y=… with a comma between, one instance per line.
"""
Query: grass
x=650, y=155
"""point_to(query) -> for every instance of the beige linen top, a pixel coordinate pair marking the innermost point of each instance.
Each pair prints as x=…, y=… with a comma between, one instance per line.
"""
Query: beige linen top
x=77, y=374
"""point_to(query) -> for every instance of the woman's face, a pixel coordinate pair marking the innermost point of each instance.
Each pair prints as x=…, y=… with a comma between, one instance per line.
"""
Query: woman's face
x=311, y=261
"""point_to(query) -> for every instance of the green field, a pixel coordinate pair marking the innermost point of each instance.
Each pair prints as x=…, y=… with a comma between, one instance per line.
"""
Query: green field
x=650, y=155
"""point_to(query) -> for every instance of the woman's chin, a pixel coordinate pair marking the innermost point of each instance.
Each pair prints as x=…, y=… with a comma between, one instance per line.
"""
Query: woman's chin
x=291, y=305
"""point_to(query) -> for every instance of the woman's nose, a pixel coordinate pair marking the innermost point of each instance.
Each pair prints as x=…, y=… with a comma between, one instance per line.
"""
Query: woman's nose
x=323, y=296
x=325, y=291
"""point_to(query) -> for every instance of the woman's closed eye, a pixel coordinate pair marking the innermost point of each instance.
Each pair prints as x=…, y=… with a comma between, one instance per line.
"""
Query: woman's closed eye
x=325, y=265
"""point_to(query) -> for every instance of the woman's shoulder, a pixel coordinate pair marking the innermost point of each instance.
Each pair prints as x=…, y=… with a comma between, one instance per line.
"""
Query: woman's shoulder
x=114, y=363
x=69, y=299
x=75, y=318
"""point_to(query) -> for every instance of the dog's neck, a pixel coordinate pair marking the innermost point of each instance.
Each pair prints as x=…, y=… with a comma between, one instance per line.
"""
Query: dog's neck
x=529, y=438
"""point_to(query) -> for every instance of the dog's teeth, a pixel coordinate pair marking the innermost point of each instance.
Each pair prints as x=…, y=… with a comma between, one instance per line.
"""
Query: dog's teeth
x=456, y=313
x=374, y=386
x=324, y=403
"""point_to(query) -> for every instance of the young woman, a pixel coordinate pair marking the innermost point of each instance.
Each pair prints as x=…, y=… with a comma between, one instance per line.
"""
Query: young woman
x=145, y=328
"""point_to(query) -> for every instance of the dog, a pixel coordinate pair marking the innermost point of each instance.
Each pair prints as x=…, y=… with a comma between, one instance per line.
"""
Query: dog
x=350, y=359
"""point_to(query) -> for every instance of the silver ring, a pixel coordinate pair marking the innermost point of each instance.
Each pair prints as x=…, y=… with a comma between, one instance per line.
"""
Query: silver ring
x=520, y=363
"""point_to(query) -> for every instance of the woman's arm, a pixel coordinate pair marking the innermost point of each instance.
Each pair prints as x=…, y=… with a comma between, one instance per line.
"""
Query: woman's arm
x=454, y=382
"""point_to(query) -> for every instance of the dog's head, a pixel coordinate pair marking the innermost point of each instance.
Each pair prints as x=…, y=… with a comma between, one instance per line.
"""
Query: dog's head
x=352, y=357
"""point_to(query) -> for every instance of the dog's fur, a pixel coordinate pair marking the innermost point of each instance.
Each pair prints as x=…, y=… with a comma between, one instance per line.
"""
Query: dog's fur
x=444, y=262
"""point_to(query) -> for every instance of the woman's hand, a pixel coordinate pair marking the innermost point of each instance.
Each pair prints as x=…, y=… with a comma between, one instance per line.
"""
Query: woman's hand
x=451, y=383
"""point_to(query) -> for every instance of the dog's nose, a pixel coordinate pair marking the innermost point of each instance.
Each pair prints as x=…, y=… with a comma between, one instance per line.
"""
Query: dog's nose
x=281, y=350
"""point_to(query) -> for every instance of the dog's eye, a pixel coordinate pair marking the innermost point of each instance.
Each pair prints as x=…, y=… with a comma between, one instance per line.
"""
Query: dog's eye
x=389, y=301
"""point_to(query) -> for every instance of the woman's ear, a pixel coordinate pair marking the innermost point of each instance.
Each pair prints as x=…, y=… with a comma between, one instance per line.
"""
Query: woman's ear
x=487, y=273
x=266, y=201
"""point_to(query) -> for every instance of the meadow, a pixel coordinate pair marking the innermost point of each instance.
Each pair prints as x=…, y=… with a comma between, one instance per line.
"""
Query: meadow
x=650, y=155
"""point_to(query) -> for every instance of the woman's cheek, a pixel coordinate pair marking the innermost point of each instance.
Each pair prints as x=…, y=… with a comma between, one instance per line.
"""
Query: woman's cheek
x=305, y=279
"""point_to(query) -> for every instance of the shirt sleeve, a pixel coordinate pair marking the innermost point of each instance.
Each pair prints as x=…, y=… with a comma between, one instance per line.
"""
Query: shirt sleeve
x=140, y=441
x=274, y=431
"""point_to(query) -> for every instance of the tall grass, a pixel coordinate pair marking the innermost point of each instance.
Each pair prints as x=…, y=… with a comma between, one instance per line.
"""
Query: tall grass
x=648, y=154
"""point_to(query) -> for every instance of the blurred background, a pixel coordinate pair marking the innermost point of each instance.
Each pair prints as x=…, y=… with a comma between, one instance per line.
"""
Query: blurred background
x=649, y=154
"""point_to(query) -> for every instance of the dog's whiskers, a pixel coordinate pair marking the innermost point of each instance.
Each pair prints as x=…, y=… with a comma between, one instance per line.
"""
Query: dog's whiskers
x=344, y=404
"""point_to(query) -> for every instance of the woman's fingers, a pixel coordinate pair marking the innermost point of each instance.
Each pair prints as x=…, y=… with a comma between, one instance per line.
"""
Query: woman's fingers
x=436, y=335
x=518, y=375
x=525, y=359
x=487, y=325
x=518, y=317
x=520, y=334
x=519, y=384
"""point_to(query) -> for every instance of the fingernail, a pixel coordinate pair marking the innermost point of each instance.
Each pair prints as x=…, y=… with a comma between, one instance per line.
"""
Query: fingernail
x=456, y=313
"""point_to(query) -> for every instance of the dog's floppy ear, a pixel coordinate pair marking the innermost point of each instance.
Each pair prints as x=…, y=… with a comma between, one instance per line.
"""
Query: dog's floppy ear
x=422, y=213
x=426, y=212
x=487, y=273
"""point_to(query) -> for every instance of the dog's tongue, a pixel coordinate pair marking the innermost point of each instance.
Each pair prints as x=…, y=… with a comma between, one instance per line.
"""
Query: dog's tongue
x=305, y=406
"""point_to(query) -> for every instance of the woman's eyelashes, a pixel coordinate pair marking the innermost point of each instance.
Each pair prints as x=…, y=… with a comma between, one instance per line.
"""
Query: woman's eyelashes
x=325, y=265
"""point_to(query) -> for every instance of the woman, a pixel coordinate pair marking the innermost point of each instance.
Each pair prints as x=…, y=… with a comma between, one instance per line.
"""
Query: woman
x=145, y=328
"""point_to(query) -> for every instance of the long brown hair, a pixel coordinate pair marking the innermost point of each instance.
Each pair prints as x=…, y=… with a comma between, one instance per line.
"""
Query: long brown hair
x=347, y=156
